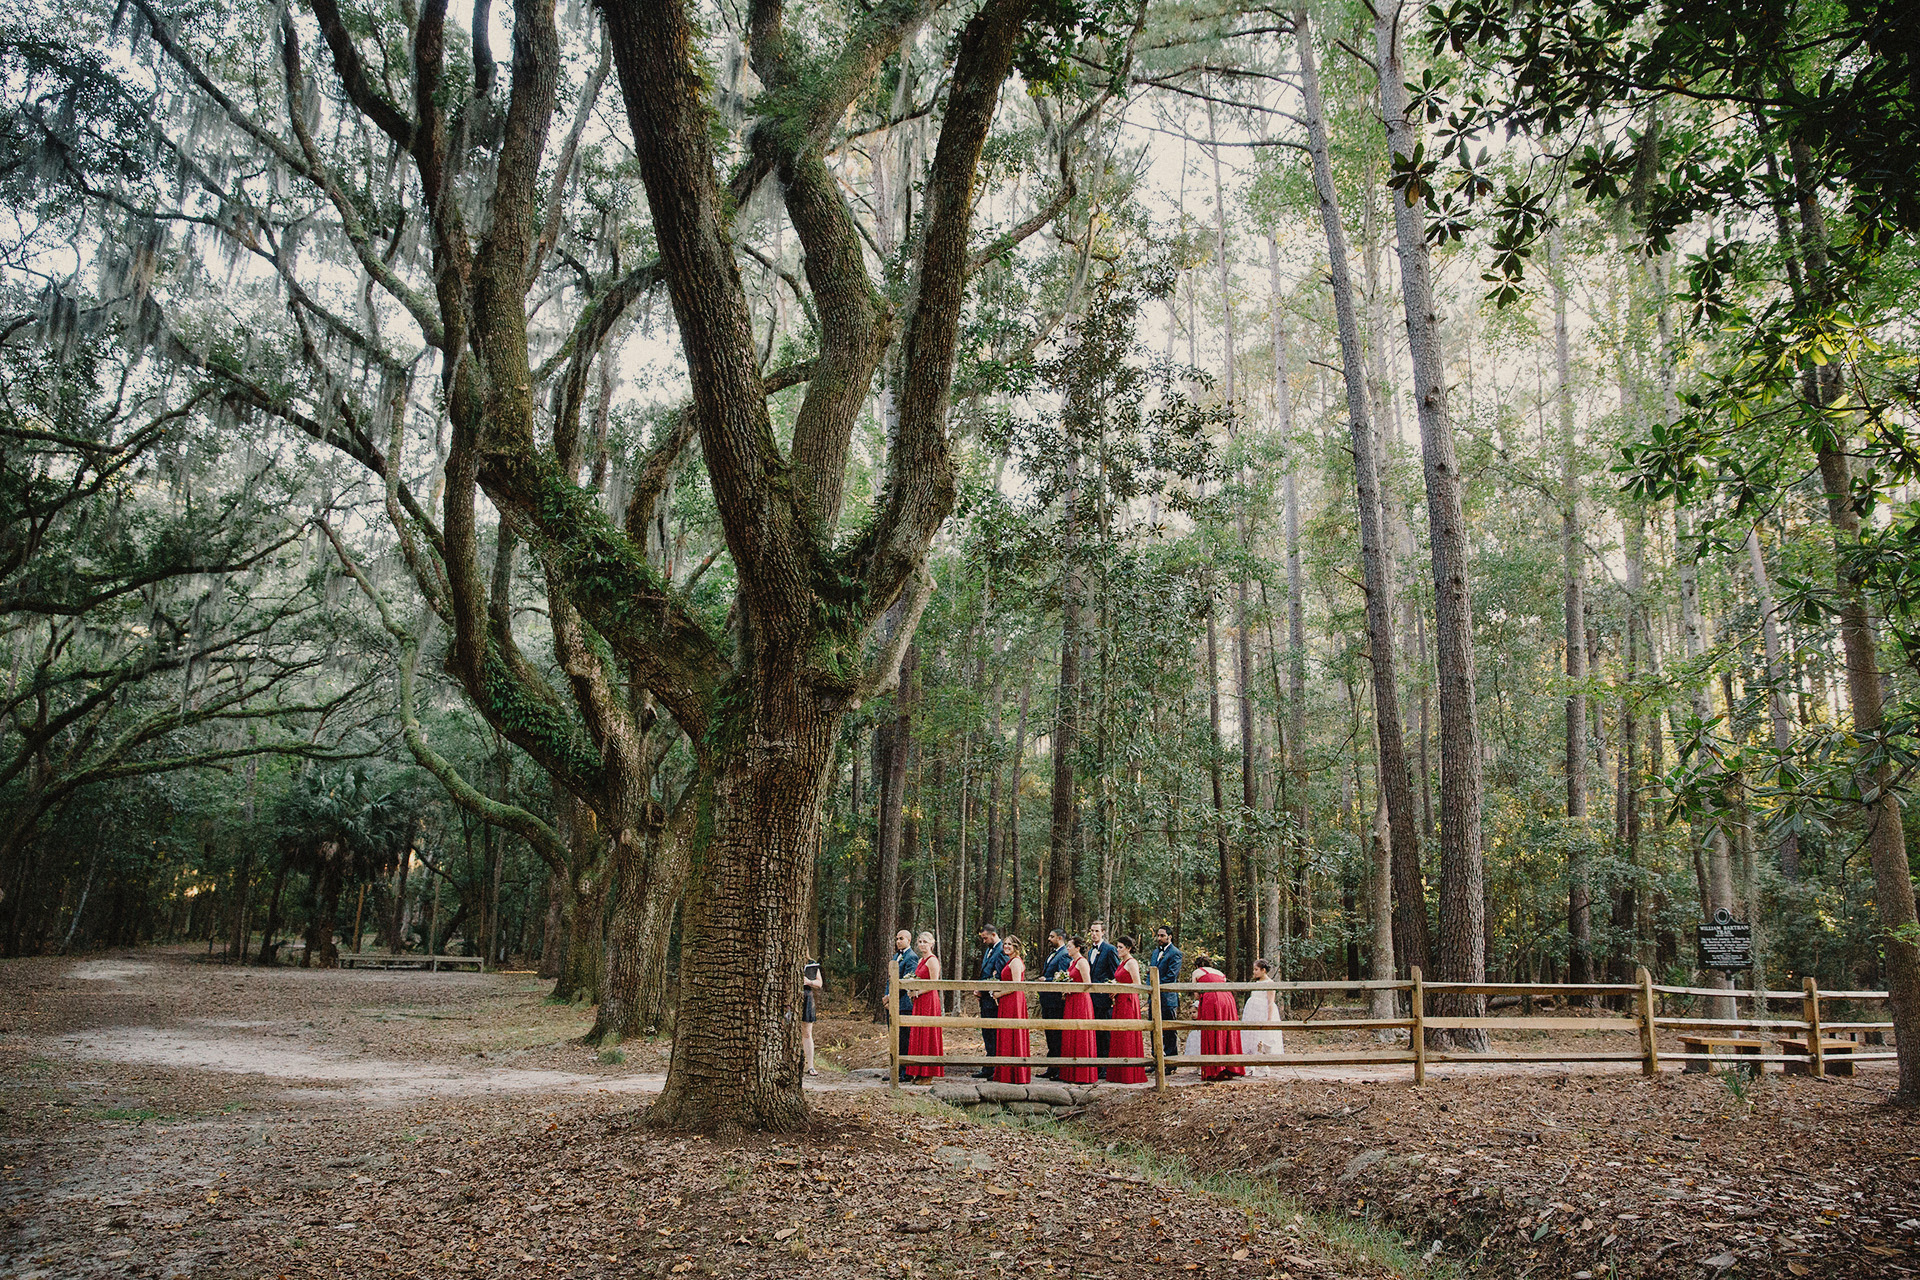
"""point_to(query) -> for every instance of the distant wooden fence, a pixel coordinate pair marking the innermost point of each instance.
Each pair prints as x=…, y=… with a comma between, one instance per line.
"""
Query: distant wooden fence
x=409, y=960
x=1647, y=1021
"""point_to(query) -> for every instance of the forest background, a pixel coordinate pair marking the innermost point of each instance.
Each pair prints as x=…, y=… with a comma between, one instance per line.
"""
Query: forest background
x=1426, y=488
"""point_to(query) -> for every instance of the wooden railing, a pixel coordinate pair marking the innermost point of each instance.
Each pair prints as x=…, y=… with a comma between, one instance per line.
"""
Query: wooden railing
x=1646, y=1023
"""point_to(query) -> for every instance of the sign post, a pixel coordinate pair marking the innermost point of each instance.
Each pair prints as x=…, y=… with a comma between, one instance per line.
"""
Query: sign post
x=1726, y=944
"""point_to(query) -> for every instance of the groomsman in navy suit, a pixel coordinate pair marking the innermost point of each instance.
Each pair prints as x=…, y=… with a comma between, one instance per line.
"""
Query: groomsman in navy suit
x=991, y=964
x=1053, y=1005
x=907, y=961
x=1103, y=961
x=1166, y=958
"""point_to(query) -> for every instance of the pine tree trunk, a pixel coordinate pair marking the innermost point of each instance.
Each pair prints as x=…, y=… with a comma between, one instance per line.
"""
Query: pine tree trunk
x=1781, y=718
x=1013, y=809
x=991, y=871
x=1410, y=911
x=1062, y=837
x=1296, y=744
x=1886, y=836
x=1229, y=918
x=1460, y=953
x=1242, y=628
x=1572, y=550
x=889, y=831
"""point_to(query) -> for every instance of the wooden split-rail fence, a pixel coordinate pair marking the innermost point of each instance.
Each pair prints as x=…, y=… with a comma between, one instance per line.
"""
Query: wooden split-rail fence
x=1648, y=1020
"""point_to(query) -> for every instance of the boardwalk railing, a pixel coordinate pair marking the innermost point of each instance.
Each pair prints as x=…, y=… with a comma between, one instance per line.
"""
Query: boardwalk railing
x=1646, y=1022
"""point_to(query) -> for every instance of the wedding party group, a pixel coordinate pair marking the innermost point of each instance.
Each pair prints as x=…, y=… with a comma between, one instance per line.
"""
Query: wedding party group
x=1077, y=961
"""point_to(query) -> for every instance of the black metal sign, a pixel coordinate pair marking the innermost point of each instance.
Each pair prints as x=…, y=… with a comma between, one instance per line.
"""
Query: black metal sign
x=1726, y=944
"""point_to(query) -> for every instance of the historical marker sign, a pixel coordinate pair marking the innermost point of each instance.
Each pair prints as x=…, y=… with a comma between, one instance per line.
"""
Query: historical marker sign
x=1725, y=943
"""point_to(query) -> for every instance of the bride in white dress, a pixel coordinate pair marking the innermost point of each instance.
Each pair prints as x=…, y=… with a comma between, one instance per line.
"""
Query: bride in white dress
x=1262, y=1006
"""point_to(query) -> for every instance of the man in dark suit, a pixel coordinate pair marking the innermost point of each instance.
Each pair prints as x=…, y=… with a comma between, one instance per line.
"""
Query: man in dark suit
x=991, y=963
x=1166, y=959
x=907, y=962
x=1103, y=959
x=1052, y=1005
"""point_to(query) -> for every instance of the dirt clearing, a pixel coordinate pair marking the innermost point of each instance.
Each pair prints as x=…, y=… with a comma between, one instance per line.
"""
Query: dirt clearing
x=173, y=1119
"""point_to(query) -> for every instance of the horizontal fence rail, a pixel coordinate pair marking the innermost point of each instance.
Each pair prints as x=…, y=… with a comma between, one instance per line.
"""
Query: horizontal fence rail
x=1808, y=1032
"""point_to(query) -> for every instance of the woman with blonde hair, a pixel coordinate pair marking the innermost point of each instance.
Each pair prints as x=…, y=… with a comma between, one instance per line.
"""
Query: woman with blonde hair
x=1013, y=1004
x=925, y=1041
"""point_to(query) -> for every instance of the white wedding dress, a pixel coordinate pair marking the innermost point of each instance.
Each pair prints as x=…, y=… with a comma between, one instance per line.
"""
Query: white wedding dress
x=1261, y=1006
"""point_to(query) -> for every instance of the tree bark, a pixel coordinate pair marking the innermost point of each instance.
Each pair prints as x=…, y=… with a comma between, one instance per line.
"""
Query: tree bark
x=1229, y=918
x=991, y=870
x=1886, y=836
x=1572, y=551
x=1777, y=712
x=1410, y=910
x=1461, y=951
x=1242, y=628
x=1063, y=830
x=889, y=831
x=1013, y=809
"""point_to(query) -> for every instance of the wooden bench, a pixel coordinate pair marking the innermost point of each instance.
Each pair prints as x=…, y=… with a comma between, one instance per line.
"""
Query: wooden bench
x=1708, y=1044
x=1836, y=1055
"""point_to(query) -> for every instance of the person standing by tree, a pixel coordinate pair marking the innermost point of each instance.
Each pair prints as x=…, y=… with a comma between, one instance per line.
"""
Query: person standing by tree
x=810, y=982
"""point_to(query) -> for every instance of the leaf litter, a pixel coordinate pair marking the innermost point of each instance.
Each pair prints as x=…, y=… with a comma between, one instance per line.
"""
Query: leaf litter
x=152, y=1166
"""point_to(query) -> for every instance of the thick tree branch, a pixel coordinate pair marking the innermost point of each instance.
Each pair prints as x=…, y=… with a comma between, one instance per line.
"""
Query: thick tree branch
x=369, y=101
x=920, y=479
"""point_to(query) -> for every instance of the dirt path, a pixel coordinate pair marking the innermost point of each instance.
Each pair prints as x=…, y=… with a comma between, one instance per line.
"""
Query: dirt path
x=169, y=1118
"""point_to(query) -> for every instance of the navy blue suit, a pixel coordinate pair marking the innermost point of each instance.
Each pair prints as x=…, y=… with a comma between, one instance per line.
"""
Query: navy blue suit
x=1167, y=961
x=1102, y=963
x=990, y=966
x=908, y=963
x=1053, y=1005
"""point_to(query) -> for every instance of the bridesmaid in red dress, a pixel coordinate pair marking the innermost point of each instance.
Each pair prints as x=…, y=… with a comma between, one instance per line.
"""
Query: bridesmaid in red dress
x=1126, y=1004
x=1217, y=1006
x=1079, y=1004
x=1013, y=1044
x=926, y=1040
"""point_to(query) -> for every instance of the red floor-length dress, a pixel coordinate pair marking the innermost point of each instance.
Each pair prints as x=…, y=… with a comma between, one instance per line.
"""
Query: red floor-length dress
x=925, y=1039
x=1218, y=1006
x=1126, y=1044
x=1012, y=1044
x=1079, y=1044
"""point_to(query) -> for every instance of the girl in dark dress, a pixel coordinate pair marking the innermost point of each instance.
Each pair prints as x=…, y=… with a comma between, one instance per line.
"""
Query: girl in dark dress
x=810, y=982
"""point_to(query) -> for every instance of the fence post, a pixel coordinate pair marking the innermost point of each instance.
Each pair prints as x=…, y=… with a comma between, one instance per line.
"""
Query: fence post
x=1158, y=1040
x=1418, y=1001
x=1812, y=1003
x=1648, y=1046
x=893, y=1025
